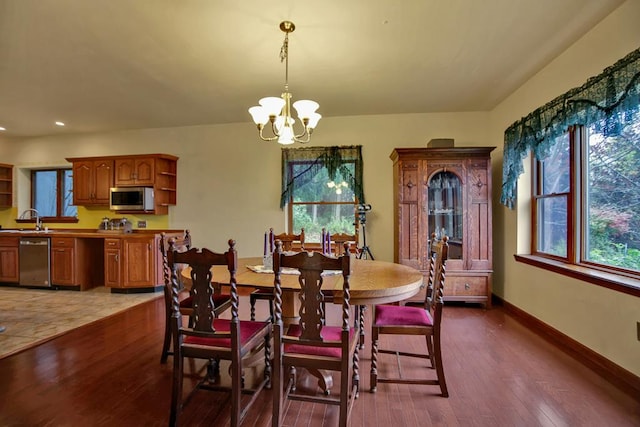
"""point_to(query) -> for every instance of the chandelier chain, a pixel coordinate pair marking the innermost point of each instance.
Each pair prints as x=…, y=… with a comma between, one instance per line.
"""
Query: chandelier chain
x=284, y=56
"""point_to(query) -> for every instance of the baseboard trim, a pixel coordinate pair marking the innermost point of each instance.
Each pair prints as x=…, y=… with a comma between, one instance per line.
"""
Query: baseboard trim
x=618, y=376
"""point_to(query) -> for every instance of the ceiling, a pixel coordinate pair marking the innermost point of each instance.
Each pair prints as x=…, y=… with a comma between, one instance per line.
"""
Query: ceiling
x=106, y=65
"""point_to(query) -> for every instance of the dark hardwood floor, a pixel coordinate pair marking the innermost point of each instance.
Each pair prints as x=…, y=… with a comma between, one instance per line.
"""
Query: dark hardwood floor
x=498, y=372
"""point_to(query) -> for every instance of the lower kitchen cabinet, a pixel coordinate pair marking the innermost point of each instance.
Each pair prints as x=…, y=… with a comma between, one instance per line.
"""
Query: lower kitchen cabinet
x=9, y=261
x=112, y=263
x=71, y=262
x=132, y=262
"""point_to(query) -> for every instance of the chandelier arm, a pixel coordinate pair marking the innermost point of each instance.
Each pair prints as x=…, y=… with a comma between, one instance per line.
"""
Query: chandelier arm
x=266, y=138
x=297, y=138
x=274, y=129
x=304, y=133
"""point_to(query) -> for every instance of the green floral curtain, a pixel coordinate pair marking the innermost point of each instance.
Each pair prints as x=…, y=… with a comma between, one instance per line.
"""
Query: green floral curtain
x=607, y=101
x=333, y=158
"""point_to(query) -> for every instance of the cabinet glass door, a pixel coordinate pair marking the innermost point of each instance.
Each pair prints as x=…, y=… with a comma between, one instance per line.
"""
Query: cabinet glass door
x=445, y=210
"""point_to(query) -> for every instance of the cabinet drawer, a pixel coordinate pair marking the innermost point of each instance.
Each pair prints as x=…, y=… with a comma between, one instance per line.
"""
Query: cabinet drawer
x=465, y=285
x=112, y=243
x=10, y=241
x=63, y=242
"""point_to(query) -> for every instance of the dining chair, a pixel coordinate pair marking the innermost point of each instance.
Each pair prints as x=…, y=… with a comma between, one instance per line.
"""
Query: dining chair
x=311, y=344
x=332, y=244
x=222, y=301
x=212, y=338
x=290, y=242
x=407, y=320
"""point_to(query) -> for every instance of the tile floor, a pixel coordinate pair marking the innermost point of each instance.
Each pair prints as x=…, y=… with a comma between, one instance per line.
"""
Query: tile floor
x=32, y=316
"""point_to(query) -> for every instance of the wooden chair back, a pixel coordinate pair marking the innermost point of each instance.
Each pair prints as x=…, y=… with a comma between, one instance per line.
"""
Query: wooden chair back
x=202, y=287
x=310, y=343
x=437, y=265
x=182, y=243
x=290, y=241
x=334, y=243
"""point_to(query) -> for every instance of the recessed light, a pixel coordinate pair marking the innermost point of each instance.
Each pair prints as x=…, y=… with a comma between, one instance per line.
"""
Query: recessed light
x=59, y=124
x=1, y=128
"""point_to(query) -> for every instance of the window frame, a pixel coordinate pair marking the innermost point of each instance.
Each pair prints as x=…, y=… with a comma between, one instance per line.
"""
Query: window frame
x=291, y=203
x=58, y=218
x=575, y=264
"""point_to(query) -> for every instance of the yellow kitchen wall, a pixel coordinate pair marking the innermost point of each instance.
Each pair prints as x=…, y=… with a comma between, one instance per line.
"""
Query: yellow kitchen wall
x=601, y=319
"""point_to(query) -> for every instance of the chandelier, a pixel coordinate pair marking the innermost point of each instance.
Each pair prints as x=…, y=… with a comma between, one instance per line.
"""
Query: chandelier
x=278, y=110
x=338, y=186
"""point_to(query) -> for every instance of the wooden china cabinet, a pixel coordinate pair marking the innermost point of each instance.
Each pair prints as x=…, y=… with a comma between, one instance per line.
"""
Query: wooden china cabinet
x=446, y=191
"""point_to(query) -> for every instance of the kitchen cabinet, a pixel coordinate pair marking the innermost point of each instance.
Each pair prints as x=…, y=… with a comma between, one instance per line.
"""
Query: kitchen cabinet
x=132, y=262
x=62, y=261
x=92, y=181
x=9, y=261
x=73, y=262
x=6, y=185
x=135, y=171
x=112, y=263
x=94, y=176
x=446, y=191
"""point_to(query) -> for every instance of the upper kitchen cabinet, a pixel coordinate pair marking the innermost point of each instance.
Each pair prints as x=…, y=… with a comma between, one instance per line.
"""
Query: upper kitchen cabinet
x=446, y=191
x=6, y=185
x=92, y=179
x=135, y=171
x=94, y=176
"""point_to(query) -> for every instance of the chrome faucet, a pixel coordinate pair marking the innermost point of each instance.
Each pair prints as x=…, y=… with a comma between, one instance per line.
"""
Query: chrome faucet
x=38, y=219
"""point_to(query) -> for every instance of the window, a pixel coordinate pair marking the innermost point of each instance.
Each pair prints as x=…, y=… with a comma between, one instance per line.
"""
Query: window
x=52, y=194
x=321, y=187
x=600, y=177
x=551, y=200
x=585, y=199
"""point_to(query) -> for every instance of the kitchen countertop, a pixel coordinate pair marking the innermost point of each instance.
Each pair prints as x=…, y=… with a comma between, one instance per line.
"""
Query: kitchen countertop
x=83, y=233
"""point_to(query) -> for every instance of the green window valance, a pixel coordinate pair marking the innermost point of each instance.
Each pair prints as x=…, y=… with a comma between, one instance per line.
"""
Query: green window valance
x=333, y=158
x=607, y=101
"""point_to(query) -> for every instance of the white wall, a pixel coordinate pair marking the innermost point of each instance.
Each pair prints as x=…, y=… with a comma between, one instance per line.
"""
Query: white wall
x=229, y=180
x=599, y=318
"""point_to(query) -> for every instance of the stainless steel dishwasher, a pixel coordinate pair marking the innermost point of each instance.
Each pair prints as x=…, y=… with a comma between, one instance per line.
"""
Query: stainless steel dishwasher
x=35, y=261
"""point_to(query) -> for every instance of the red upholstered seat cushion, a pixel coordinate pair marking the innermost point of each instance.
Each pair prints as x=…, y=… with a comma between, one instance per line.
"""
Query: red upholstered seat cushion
x=398, y=315
x=187, y=302
x=220, y=299
x=329, y=333
x=247, y=330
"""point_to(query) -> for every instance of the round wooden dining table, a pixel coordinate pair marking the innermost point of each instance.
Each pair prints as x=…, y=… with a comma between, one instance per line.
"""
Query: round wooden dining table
x=371, y=282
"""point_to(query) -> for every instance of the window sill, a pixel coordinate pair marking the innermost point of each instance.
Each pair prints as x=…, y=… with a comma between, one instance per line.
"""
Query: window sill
x=617, y=282
x=49, y=220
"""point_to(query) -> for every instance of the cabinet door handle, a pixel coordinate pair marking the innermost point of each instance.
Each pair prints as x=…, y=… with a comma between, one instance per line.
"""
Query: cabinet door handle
x=467, y=286
x=117, y=257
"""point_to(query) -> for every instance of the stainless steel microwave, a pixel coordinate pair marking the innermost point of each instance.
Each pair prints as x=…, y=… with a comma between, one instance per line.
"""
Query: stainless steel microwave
x=131, y=199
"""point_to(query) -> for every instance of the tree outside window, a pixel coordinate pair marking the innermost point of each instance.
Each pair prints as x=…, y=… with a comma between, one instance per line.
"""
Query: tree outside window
x=600, y=176
x=52, y=193
x=321, y=187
